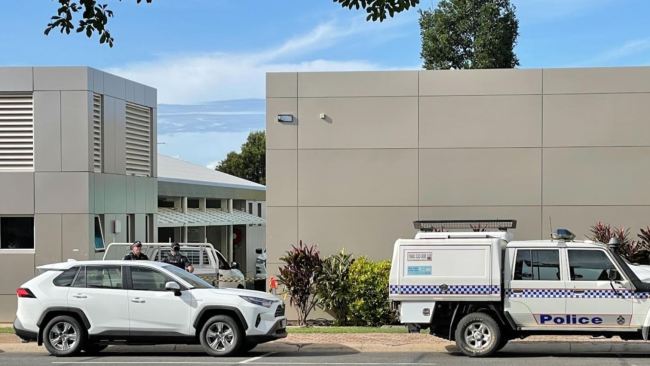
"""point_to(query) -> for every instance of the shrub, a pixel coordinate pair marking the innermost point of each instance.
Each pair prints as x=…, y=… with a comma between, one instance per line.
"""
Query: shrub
x=334, y=287
x=299, y=275
x=634, y=251
x=369, y=281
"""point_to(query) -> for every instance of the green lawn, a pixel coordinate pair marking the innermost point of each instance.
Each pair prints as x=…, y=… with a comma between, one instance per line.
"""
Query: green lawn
x=5, y=330
x=303, y=330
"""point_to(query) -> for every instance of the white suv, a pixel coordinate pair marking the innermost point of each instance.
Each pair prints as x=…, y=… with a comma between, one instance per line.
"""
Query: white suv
x=87, y=305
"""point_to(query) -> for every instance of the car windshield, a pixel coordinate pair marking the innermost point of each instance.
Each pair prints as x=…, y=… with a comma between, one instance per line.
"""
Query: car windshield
x=193, y=280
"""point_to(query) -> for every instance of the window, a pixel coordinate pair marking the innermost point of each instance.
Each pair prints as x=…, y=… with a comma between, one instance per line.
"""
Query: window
x=213, y=203
x=148, y=222
x=192, y=203
x=65, y=279
x=250, y=208
x=259, y=210
x=589, y=265
x=537, y=265
x=193, y=280
x=130, y=228
x=16, y=233
x=16, y=132
x=167, y=203
x=80, y=280
x=147, y=279
x=99, y=232
x=104, y=277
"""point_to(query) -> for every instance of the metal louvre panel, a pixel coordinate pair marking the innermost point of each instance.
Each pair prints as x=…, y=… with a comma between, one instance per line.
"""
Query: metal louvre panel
x=16, y=132
x=97, y=133
x=138, y=140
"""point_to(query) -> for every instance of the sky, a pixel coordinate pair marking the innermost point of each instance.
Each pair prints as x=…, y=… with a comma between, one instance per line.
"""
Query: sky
x=208, y=58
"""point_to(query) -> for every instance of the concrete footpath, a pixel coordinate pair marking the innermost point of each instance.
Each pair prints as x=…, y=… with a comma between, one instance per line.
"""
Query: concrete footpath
x=374, y=343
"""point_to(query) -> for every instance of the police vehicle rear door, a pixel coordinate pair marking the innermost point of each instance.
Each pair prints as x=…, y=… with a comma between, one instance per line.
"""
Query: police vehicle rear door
x=537, y=287
x=595, y=301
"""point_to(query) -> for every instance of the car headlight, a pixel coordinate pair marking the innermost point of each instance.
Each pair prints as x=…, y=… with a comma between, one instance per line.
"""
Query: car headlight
x=258, y=301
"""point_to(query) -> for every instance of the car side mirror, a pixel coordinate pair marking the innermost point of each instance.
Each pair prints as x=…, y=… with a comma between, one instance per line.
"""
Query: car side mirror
x=612, y=275
x=173, y=286
x=234, y=265
x=258, y=251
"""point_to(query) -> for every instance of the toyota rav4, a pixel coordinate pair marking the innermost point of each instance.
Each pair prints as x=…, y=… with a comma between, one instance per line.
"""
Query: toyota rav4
x=87, y=305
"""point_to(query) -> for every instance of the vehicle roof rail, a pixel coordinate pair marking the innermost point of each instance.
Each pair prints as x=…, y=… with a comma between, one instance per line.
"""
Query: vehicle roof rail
x=464, y=225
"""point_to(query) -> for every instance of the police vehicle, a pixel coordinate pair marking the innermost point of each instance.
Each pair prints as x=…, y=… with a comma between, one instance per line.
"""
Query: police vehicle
x=470, y=282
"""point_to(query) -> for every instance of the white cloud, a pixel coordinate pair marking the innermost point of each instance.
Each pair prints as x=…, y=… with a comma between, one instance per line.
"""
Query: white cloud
x=211, y=76
x=613, y=56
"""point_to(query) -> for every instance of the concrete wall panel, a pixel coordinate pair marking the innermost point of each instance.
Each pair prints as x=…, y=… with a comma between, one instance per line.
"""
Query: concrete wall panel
x=369, y=177
x=48, y=235
x=282, y=179
x=281, y=135
x=481, y=121
x=358, y=84
x=281, y=85
x=115, y=191
x=528, y=218
x=16, y=79
x=368, y=231
x=77, y=232
x=579, y=219
x=597, y=176
x=62, y=78
x=62, y=192
x=22, y=269
x=374, y=122
x=480, y=82
x=17, y=193
x=47, y=131
x=76, y=115
x=282, y=230
x=597, y=80
x=597, y=120
x=114, y=86
x=480, y=177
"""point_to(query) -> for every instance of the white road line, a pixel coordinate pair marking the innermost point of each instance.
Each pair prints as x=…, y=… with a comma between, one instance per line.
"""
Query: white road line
x=257, y=357
x=250, y=359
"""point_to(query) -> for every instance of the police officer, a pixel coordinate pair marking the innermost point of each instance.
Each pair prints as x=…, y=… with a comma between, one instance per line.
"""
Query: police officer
x=179, y=260
x=136, y=253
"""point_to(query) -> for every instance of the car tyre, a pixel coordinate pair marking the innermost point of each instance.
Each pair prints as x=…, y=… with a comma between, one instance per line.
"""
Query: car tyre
x=64, y=336
x=478, y=335
x=221, y=336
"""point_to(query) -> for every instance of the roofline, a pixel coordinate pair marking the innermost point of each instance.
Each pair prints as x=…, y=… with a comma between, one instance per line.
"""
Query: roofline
x=213, y=184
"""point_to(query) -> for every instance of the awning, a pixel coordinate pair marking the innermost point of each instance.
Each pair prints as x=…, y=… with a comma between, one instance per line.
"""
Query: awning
x=169, y=217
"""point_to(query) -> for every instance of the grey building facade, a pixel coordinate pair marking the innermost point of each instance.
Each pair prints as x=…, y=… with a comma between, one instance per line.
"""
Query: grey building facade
x=366, y=153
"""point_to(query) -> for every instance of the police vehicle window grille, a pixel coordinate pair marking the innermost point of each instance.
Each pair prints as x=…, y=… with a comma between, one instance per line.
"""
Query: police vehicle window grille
x=589, y=265
x=145, y=279
x=138, y=140
x=17, y=132
x=65, y=279
x=537, y=265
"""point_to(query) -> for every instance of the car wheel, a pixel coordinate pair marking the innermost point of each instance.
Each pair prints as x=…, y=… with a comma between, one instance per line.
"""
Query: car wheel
x=221, y=336
x=93, y=348
x=63, y=336
x=477, y=334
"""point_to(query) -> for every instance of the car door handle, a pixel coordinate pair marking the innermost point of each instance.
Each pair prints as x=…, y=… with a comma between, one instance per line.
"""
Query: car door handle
x=80, y=296
x=575, y=291
x=516, y=290
x=137, y=300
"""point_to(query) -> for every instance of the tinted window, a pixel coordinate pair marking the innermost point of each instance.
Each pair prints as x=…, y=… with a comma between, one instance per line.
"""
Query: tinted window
x=17, y=233
x=148, y=279
x=589, y=265
x=80, y=280
x=537, y=265
x=65, y=279
x=104, y=277
x=193, y=280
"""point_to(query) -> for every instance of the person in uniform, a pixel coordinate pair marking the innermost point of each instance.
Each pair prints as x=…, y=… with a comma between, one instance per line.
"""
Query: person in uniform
x=136, y=253
x=179, y=260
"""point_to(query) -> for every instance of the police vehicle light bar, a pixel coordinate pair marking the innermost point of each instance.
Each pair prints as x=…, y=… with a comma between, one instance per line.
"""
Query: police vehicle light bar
x=467, y=225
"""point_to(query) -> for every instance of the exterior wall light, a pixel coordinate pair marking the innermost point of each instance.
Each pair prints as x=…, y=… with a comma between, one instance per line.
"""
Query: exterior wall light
x=285, y=118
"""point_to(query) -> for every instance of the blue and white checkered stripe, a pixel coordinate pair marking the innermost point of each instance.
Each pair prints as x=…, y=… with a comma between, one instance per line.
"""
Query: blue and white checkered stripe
x=447, y=290
x=584, y=294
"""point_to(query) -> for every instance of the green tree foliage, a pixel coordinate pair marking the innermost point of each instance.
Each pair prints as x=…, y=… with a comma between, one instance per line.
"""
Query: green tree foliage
x=379, y=9
x=250, y=163
x=334, y=289
x=95, y=15
x=370, y=305
x=469, y=34
x=300, y=275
